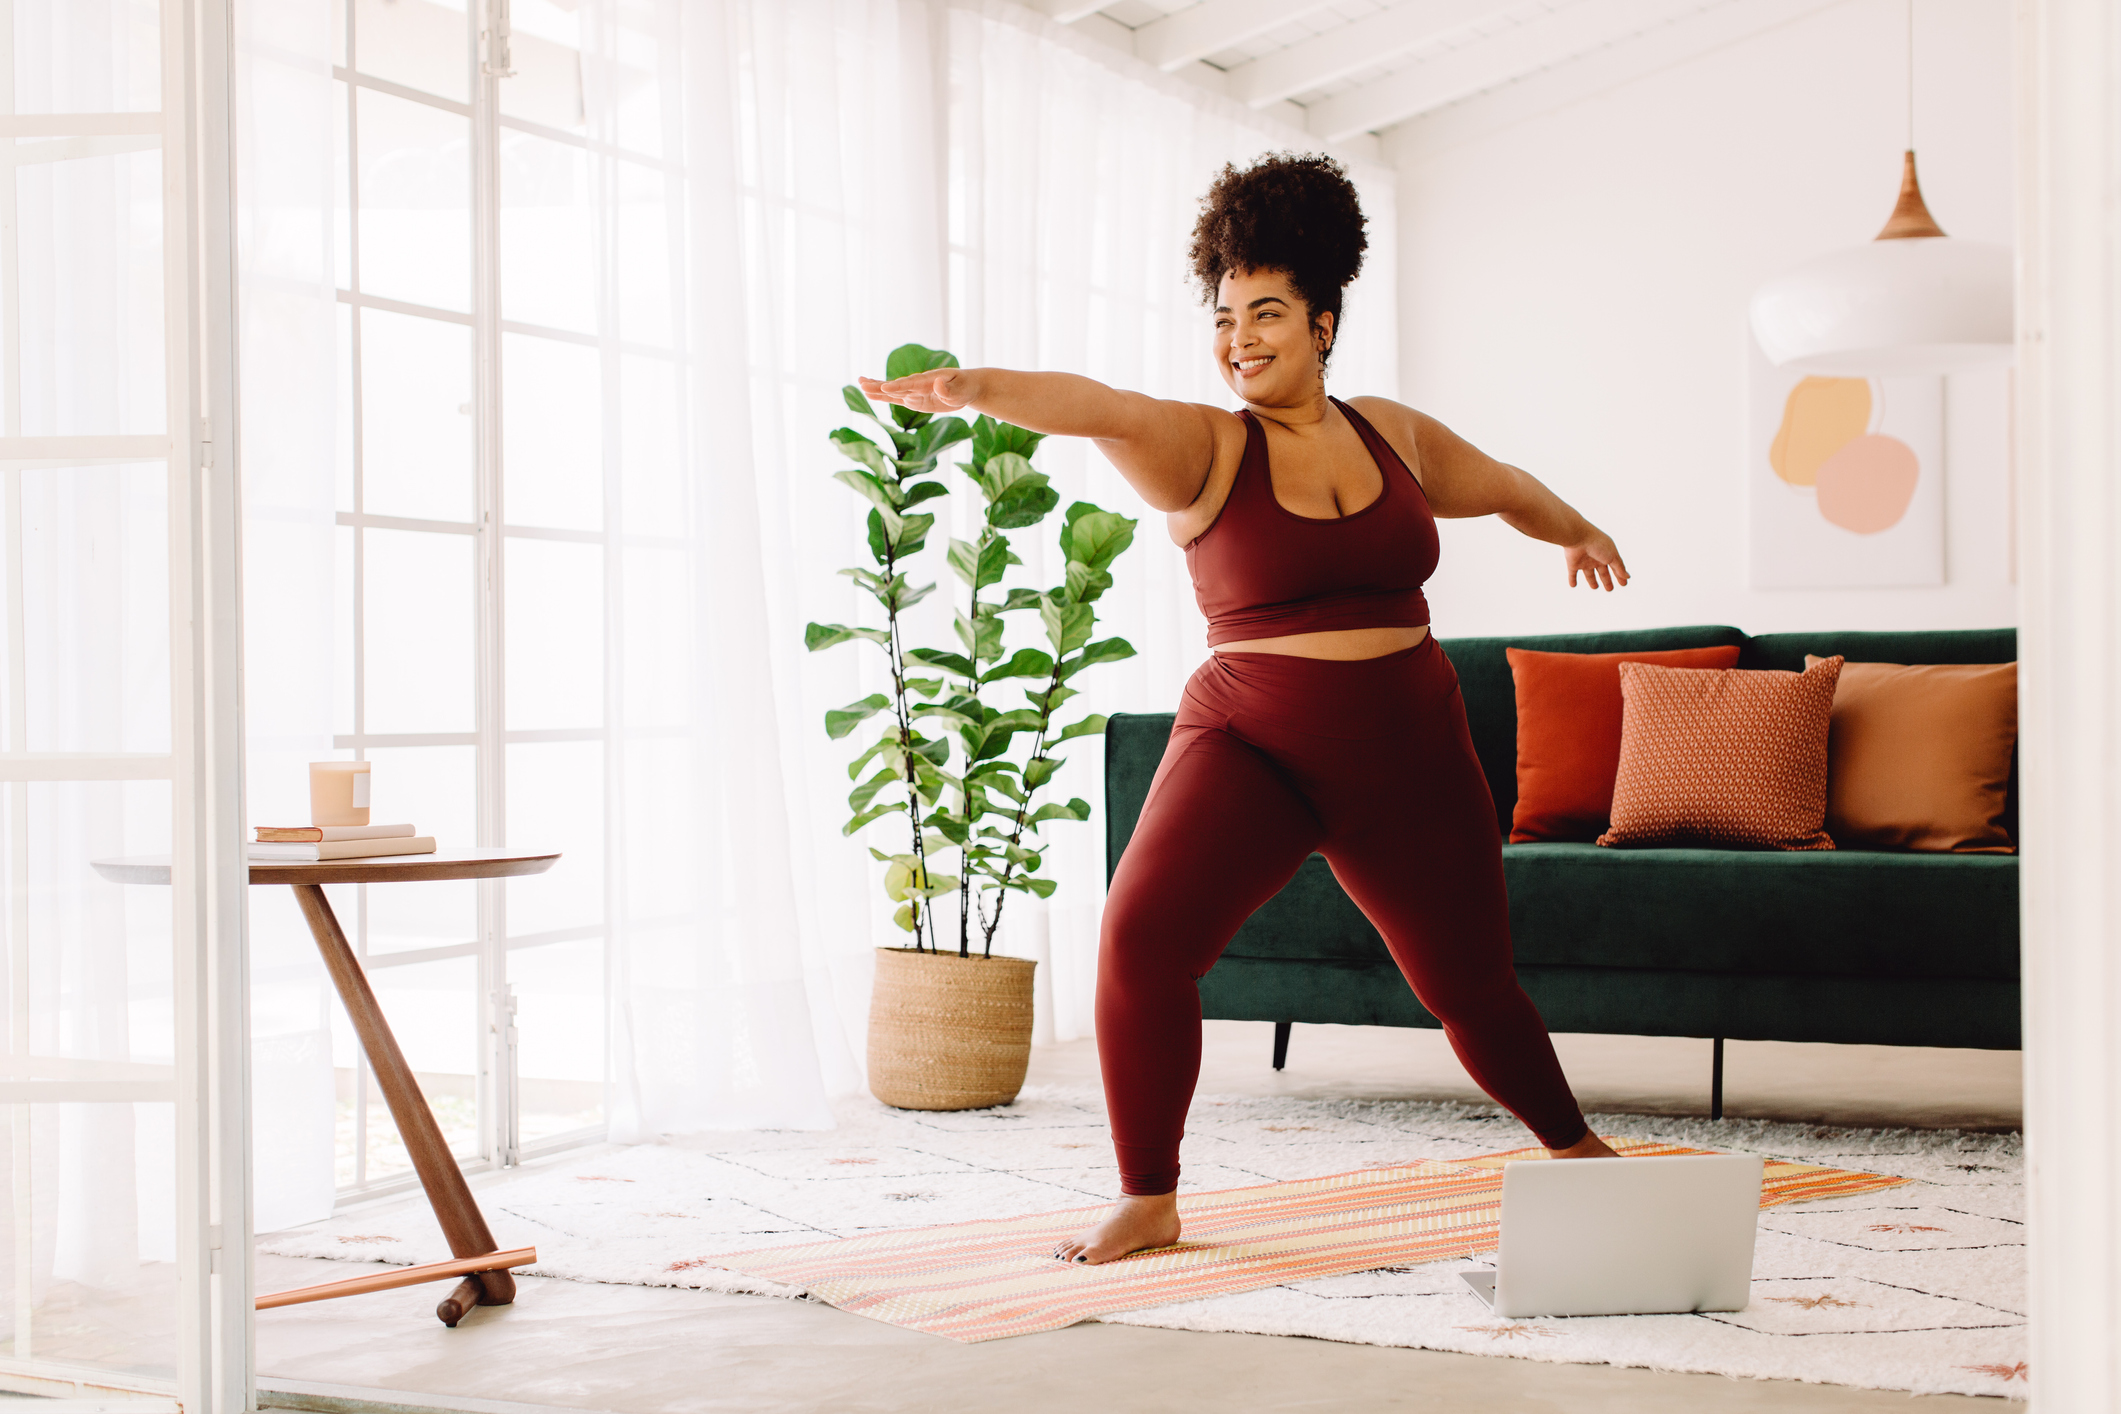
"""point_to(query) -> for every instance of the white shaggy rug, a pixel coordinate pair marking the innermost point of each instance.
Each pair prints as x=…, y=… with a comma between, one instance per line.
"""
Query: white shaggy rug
x=1918, y=1288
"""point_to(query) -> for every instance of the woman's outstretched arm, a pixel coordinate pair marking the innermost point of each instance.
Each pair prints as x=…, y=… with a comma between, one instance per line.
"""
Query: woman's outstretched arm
x=1461, y=480
x=1164, y=449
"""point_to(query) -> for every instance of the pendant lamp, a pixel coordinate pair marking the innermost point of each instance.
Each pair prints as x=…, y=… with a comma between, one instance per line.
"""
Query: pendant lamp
x=1912, y=301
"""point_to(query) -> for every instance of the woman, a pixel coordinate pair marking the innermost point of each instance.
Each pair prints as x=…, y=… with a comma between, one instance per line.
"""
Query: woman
x=1326, y=718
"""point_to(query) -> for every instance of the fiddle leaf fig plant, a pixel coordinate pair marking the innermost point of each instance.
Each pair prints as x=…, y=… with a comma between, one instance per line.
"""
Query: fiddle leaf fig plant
x=905, y=766
x=988, y=810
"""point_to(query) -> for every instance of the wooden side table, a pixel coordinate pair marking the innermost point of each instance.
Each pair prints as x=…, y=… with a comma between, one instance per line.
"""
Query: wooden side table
x=454, y=1208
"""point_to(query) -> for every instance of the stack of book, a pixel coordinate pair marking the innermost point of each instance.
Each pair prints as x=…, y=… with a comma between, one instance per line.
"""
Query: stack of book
x=307, y=844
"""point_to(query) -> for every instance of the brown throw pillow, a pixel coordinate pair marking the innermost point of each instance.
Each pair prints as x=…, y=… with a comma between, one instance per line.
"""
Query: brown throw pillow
x=1919, y=757
x=1733, y=757
x=1568, y=735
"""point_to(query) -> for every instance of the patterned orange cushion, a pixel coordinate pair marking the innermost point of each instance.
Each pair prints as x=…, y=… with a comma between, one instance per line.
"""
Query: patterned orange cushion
x=1730, y=757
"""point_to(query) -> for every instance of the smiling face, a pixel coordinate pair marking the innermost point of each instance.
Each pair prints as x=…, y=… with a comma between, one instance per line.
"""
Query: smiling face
x=1266, y=345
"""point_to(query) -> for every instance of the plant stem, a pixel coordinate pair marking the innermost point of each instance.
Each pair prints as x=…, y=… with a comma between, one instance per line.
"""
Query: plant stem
x=1023, y=811
x=895, y=651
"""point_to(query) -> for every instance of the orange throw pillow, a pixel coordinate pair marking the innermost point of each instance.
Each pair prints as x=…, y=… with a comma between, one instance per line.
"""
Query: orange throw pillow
x=1568, y=735
x=1920, y=757
x=1734, y=758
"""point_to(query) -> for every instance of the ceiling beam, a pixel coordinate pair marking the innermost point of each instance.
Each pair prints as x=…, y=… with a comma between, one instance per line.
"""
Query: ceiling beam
x=1609, y=68
x=1556, y=38
x=1213, y=26
x=1067, y=12
x=1339, y=52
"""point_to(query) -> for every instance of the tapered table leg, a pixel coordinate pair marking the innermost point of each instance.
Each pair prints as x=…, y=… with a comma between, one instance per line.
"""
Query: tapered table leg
x=462, y=1222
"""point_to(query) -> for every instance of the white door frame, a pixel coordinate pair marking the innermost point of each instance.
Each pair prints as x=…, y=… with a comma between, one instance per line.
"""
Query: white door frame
x=2069, y=550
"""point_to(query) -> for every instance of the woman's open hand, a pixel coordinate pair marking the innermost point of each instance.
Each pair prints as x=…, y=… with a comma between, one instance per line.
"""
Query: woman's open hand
x=1598, y=560
x=939, y=390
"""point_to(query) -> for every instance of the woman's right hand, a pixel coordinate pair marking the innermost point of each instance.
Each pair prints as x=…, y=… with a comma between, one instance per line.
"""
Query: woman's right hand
x=940, y=390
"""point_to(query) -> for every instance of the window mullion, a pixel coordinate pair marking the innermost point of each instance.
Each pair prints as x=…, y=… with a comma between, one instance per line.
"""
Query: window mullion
x=497, y=1098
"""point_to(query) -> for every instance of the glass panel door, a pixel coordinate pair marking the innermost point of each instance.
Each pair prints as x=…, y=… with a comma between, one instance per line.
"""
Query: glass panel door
x=110, y=1134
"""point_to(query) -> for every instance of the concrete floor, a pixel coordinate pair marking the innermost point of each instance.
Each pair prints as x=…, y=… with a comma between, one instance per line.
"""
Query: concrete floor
x=638, y=1350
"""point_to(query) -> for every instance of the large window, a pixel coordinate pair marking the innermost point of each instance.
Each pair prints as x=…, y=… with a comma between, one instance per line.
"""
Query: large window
x=509, y=454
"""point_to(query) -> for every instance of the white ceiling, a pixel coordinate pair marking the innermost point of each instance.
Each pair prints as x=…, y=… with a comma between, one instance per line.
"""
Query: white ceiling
x=1344, y=68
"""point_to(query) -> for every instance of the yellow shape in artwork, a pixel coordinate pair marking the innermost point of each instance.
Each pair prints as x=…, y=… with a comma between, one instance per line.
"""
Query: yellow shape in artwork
x=1821, y=416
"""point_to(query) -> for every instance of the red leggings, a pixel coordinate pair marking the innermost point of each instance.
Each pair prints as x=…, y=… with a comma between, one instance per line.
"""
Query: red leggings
x=1272, y=758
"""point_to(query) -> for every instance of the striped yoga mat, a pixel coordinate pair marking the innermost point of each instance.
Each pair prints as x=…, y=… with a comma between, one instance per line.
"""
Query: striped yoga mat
x=984, y=1280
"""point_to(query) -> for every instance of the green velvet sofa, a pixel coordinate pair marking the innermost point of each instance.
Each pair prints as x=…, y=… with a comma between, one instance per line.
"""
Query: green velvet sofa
x=1846, y=946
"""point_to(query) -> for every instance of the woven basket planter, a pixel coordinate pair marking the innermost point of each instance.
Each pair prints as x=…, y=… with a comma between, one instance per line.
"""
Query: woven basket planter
x=948, y=1032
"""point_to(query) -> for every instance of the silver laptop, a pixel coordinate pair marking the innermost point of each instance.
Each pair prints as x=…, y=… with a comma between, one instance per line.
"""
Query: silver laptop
x=1624, y=1237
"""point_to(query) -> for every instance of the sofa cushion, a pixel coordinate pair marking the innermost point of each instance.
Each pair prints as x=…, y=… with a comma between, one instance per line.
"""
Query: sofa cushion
x=1846, y=913
x=1490, y=692
x=1569, y=713
x=1727, y=758
x=1920, y=756
x=1852, y=913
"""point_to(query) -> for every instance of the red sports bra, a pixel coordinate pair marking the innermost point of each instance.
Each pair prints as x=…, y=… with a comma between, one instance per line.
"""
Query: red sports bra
x=1262, y=571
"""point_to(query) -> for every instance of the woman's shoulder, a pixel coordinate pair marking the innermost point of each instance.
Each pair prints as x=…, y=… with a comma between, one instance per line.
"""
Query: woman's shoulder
x=1233, y=430
x=1397, y=423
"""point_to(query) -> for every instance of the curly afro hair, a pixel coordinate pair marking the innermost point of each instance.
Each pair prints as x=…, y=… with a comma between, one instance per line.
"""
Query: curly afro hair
x=1287, y=211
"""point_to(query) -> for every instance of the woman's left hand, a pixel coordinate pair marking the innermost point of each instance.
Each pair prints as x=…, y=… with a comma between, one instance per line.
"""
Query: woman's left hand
x=1598, y=560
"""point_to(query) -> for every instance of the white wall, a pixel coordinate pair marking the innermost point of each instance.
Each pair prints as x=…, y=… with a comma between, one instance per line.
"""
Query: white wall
x=1573, y=291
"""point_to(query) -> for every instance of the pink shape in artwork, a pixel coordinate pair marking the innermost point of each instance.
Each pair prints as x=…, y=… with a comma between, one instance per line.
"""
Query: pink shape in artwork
x=1867, y=485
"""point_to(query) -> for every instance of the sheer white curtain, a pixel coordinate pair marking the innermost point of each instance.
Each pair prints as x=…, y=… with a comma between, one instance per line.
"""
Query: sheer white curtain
x=1079, y=178
x=287, y=343
x=836, y=177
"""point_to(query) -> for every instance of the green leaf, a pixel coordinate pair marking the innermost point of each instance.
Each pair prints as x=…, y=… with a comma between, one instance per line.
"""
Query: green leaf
x=924, y=687
x=928, y=443
x=855, y=447
x=876, y=812
x=1042, y=887
x=1040, y=769
x=867, y=579
x=878, y=492
x=1018, y=599
x=1095, y=537
x=1085, y=584
x=1050, y=700
x=1022, y=506
x=935, y=753
x=1092, y=725
x=1067, y=625
x=845, y=719
x=991, y=438
x=885, y=746
x=1002, y=785
x=948, y=715
x=904, y=917
x=816, y=636
x=903, y=598
x=954, y=663
x=1077, y=809
x=1024, y=663
x=921, y=491
x=982, y=637
x=858, y=799
x=1105, y=650
x=909, y=359
x=856, y=403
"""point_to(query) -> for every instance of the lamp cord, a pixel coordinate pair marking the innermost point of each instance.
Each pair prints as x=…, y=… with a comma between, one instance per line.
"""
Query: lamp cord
x=1910, y=75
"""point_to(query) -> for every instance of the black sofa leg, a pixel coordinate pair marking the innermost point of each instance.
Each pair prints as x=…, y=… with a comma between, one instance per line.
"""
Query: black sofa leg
x=1716, y=1082
x=1281, y=1044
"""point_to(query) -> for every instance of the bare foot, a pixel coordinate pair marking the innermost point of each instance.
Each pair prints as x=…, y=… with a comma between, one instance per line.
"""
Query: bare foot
x=1135, y=1223
x=1588, y=1147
